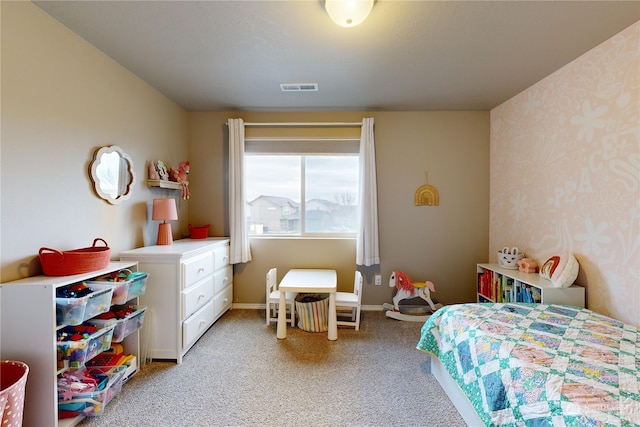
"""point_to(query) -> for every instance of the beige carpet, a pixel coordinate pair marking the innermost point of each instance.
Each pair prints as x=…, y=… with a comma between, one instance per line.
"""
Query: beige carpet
x=240, y=374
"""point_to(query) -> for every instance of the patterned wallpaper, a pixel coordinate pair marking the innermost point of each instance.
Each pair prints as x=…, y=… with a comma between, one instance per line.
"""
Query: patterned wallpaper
x=565, y=172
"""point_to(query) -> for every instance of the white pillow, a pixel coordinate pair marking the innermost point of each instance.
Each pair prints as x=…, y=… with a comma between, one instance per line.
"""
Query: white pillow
x=562, y=270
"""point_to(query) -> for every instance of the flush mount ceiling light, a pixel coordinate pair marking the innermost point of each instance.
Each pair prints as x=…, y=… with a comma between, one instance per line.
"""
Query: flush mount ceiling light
x=348, y=13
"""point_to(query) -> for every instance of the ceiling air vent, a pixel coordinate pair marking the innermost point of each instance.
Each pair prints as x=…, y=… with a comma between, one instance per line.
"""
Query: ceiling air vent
x=299, y=87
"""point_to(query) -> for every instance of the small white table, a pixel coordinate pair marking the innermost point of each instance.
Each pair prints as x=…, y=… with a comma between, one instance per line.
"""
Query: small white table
x=309, y=280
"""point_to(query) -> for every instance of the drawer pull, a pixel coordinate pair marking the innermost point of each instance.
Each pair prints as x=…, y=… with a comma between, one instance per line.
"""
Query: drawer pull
x=225, y=259
x=202, y=322
x=200, y=296
x=201, y=269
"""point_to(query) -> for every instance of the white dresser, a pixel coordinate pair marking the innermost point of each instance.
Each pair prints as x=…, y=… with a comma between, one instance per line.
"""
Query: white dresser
x=190, y=286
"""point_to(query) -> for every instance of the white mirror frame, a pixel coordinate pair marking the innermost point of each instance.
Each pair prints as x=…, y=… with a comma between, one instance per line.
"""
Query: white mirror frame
x=112, y=174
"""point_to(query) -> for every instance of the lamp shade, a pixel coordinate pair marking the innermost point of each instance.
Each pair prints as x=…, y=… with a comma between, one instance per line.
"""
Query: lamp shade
x=348, y=13
x=164, y=210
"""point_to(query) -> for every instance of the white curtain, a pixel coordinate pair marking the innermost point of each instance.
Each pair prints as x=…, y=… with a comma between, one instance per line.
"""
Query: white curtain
x=239, y=236
x=367, y=247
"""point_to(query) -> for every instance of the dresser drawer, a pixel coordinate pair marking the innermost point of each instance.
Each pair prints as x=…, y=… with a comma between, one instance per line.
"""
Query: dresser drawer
x=223, y=300
x=196, y=296
x=196, y=268
x=223, y=278
x=221, y=256
x=195, y=325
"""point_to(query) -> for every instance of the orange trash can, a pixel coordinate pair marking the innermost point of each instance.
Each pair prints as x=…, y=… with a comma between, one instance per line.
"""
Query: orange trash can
x=13, y=382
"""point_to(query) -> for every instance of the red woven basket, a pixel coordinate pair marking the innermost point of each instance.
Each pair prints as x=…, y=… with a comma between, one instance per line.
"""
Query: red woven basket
x=201, y=232
x=76, y=261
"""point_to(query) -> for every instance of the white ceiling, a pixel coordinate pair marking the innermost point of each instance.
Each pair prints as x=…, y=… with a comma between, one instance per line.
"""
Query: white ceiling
x=408, y=55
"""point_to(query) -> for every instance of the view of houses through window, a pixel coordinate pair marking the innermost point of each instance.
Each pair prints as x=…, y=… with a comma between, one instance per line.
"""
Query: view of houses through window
x=301, y=194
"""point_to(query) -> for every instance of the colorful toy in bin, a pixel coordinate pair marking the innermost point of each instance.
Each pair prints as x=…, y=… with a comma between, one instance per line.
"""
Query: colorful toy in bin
x=78, y=344
x=78, y=302
x=77, y=290
x=128, y=285
x=120, y=287
x=137, y=281
x=70, y=311
x=126, y=319
x=87, y=391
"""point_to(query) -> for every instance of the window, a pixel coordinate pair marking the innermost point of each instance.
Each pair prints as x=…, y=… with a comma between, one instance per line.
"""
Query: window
x=299, y=191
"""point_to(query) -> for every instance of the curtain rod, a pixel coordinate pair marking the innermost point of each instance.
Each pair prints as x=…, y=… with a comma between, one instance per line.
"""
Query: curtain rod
x=305, y=124
x=296, y=139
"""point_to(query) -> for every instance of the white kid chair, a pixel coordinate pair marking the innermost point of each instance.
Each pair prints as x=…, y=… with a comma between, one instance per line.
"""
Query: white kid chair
x=352, y=300
x=273, y=299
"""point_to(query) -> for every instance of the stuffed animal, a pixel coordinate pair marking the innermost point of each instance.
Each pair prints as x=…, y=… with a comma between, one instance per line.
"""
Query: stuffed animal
x=179, y=175
x=527, y=265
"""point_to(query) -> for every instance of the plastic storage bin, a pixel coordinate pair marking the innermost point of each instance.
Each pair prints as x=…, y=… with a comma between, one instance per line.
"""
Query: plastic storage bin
x=138, y=283
x=70, y=311
x=13, y=382
x=74, y=311
x=125, y=318
x=120, y=293
x=127, y=285
x=74, y=354
x=99, y=300
x=108, y=383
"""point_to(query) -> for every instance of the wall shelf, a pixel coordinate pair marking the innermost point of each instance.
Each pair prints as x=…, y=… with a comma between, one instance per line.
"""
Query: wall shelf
x=164, y=184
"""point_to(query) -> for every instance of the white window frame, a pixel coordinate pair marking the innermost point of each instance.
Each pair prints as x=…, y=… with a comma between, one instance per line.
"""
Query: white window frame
x=304, y=147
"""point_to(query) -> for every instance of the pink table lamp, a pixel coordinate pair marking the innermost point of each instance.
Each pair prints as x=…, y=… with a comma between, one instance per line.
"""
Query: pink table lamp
x=164, y=210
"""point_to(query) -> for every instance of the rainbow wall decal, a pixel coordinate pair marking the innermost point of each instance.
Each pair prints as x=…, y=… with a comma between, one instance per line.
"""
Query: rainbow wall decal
x=427, y=195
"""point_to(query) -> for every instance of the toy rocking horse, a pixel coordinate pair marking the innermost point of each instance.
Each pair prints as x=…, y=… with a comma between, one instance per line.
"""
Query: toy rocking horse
x=409, y=289
x=179, y=175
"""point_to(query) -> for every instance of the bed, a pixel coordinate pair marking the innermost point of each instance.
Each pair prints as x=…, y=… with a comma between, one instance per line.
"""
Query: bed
x=535, y=364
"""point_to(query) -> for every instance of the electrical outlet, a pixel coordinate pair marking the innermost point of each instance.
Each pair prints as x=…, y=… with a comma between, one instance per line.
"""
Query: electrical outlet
x=378, y=280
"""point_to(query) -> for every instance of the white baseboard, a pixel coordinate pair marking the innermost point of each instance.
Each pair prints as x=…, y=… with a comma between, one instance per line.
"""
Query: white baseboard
x=249, y=306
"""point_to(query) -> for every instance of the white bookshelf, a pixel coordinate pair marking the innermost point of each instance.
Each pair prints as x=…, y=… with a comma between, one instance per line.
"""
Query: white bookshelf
x=506, y=285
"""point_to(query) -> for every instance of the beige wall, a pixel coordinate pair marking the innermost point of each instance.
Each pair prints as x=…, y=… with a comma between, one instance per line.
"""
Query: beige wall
x=564, y=163
x=565, y=172
x=438, y=243
x=61, y=99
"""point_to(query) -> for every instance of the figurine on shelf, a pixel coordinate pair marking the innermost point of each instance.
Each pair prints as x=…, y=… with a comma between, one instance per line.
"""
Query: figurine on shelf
x=153, y=173
x=162, y=170
x=179, y=175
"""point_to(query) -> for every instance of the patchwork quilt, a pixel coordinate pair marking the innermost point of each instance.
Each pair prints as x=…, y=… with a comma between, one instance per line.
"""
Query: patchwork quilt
x=539, y=364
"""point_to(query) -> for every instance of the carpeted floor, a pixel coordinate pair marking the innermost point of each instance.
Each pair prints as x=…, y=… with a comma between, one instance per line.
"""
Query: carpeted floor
x=240, y=374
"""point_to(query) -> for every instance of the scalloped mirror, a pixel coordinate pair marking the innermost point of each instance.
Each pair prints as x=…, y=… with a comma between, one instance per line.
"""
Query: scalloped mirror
x=112, y=174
